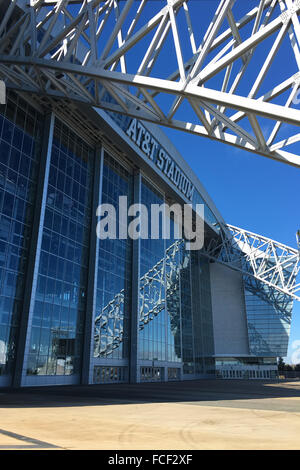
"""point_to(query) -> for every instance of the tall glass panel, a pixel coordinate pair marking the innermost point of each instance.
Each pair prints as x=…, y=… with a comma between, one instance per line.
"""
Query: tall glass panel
x=59, y=309
x=152, y=325
x=202, y=315
x=269, y=319
x=163, y=291
x=173, y=265
x=113, y=295
x=166, y=316
x=20, y=139
x=186, y=314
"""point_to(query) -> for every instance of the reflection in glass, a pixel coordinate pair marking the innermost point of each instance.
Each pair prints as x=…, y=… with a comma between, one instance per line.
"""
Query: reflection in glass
x=202, y=315
x=269, y=319
x=20, y=138
x=113, y=293
x=59, y=309
x=162, y=292
x=152, y=318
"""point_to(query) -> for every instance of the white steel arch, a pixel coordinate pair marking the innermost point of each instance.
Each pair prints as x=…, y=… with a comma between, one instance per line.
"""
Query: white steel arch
x=268, y=261
x=158, y=63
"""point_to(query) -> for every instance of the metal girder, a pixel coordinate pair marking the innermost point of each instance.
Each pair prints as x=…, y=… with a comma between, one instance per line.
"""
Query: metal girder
x=266, y=260
x=159, y=65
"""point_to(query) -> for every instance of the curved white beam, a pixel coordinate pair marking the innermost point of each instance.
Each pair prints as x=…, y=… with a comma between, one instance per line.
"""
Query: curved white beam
x=268, y=261
x=144, y=56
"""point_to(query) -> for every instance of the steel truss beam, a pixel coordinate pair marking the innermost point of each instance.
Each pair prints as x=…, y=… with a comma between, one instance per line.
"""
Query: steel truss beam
x=159, y=67
x=272, y=263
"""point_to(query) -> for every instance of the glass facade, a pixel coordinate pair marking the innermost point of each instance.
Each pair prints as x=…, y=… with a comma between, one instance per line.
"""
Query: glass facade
x=20, y=139
x=175, y=313
x=203, y=333
x=269, y=319
x=123, y=122
x=59, y=308
x=173, y=262
x=188, y=357
x=245, y=361
x=153, y=331
x=113, y=293
x=246, y=367
x=175, y=318
x=165, y=302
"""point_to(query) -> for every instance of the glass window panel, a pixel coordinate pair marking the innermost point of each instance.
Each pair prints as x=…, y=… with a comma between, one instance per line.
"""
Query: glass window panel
x=114, y=274
x=59, y=354
x=16, y=213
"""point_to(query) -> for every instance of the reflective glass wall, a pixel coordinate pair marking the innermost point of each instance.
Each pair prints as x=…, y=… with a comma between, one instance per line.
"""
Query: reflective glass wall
x=161, y=261
x=203, y=334
x=174, y=329
x=20, y=140
x=113, y=293
x=152, y=317
x=269, y=319
x=186, y=314
x=59, y=309
x=173, y=262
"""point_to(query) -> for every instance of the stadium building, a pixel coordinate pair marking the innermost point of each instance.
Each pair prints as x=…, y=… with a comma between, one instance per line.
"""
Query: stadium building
x=78, y=309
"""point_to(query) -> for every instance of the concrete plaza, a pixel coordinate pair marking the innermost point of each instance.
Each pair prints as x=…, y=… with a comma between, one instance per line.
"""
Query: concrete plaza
x=206, y=414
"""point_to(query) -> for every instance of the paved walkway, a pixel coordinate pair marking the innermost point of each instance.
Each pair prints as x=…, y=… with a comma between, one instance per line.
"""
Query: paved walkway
x=206, y=414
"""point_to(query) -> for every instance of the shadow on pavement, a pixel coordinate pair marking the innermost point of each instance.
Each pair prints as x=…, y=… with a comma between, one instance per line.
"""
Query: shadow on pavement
x=202, y=391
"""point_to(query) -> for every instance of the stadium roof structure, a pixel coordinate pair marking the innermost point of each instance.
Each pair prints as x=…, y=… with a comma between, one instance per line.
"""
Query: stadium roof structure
x=160, y=68
x=214, y=80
